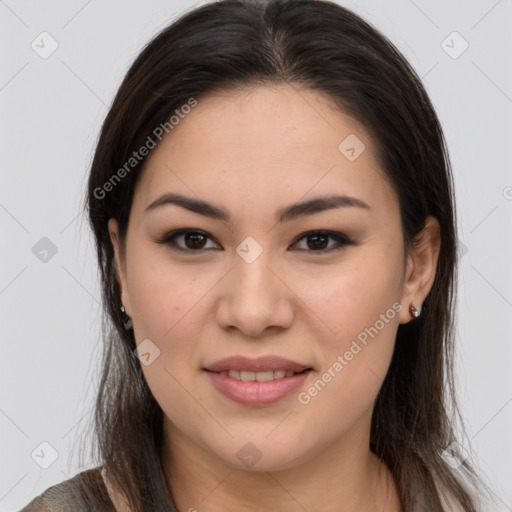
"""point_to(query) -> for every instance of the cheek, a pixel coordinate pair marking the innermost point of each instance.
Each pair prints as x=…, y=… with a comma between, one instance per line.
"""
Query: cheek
x=354, y=364
x=346, y=388
x=164, y=296
x=359, y=311
x=168, y=310
x=347, y=298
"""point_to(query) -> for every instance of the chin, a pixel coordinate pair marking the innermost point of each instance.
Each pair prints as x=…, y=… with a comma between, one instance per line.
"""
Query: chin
x=263, y=455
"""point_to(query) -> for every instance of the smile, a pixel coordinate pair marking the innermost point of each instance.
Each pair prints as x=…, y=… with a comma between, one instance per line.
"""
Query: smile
x=265, y=376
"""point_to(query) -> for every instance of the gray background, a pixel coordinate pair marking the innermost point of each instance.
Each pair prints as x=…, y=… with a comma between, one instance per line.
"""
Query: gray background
x=51, y=111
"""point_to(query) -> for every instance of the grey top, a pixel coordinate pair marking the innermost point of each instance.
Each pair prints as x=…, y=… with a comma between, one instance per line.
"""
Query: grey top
x=72, y=495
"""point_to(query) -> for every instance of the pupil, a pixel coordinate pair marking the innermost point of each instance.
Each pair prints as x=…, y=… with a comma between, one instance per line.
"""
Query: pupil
x=317, y=237
x=194, y=238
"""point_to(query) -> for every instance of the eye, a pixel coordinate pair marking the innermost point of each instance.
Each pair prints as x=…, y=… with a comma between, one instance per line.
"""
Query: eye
x=194, y=240
x=320, y=241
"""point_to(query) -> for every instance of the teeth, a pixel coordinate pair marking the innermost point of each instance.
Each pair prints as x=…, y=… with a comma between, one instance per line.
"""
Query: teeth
x=247, y=376
x=257, y=376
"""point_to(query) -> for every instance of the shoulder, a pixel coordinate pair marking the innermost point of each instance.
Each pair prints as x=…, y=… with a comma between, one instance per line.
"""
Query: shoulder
x=85, y=491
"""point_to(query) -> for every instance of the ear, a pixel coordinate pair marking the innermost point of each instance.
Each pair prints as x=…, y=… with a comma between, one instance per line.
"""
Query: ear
x=421, y=268
x=113, y=230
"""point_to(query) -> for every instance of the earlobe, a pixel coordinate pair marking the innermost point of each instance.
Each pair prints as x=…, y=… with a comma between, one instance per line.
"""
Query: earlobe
x=421, y=270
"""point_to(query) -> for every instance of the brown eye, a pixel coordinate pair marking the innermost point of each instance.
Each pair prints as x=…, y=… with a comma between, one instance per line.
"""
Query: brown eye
x=192, y=240
x=196, y=241
x=318, y=241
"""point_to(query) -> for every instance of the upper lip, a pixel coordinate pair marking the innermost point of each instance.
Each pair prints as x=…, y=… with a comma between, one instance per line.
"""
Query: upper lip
x=260, y=364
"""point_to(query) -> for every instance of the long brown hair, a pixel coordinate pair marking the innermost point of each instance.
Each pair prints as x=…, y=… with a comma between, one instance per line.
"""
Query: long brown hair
x=318, y=45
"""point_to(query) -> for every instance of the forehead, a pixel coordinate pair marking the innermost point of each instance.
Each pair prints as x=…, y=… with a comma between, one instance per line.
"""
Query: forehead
x=264, y=124
x=264, y=143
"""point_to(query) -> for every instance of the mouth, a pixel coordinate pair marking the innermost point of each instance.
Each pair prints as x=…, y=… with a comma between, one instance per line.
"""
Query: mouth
x=257, y=381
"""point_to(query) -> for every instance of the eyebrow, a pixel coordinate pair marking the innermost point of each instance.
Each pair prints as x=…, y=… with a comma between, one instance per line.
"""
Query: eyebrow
x=286, y=214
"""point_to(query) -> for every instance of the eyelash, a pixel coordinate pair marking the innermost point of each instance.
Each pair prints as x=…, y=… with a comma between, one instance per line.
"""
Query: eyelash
x=342, y=239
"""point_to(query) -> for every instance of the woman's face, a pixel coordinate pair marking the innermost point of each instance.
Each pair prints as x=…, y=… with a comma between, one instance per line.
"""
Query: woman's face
x=255, y=283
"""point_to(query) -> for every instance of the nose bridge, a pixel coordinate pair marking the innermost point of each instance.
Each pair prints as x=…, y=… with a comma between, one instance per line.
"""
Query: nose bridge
x=256, y=298
x=252, y=265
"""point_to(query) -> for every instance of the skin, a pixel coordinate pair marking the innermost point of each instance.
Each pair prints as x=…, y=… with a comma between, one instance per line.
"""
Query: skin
x=253, y=151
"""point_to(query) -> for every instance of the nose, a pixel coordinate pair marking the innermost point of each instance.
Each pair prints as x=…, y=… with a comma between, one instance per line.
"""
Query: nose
x=255, y=297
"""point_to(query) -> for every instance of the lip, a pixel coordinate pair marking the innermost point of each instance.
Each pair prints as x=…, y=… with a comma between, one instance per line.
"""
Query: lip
x=256, y=393
x=260, y=364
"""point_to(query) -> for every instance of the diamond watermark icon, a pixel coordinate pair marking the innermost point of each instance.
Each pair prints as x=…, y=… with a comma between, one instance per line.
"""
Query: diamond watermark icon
x=455, y=455
x=351, y=147
x=44, y=45
x=249, y=250
x=44, y=250
x=454, y=45
x=249, y=455
x=44, y=455
x=462, y=249
x=147, y=352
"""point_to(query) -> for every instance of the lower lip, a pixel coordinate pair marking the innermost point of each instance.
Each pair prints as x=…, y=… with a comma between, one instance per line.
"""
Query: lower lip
x=257, y=393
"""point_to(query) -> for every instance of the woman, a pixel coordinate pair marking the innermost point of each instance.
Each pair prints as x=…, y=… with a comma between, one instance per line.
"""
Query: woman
x=272, y=202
